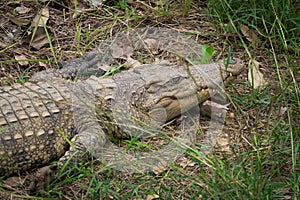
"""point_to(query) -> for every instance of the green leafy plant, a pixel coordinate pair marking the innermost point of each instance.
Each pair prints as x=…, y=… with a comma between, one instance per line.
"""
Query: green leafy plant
x=207, y=53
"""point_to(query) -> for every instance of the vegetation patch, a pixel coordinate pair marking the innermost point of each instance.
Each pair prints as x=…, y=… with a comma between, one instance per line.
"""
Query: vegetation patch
x=257, y=156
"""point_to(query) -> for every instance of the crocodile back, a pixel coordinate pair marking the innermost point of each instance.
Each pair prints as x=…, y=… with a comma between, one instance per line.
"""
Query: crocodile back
x=34, y=120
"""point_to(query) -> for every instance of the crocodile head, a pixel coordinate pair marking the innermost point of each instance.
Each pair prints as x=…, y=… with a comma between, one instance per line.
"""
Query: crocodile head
x=160, y=92
x=173, y=90
x=167, y=92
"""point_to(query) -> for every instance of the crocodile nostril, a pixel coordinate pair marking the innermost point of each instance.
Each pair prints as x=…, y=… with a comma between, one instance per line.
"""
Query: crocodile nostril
x=233, y=60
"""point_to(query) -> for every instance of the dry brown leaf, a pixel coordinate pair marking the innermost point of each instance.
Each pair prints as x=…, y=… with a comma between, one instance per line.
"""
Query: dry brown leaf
x=41, y=18
x=223, y=143
x=13, y=181
x=9, y=38
x=118, y=51
x=152, y=196
x=38, y=36
x=42, y=177
x=213, y=109
x=42, y=64
x=255, y=77
x=250, y=35
x=131, y=63
x=95, y=3
x=184, y=162
x=18, y=21
x=22, y=57
x=282, y=111
x=161, y=62
x=153, y=45
x=160, y=2
x=22, y=9
x=160, y=167
x=39, y=39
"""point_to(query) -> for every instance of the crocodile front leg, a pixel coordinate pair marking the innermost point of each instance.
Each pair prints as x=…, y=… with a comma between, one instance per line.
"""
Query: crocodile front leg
x=91, y=140
x=79, y=68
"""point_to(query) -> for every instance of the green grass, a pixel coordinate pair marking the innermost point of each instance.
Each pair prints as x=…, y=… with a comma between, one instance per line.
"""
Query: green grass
x=269, y=167
x=265, y=161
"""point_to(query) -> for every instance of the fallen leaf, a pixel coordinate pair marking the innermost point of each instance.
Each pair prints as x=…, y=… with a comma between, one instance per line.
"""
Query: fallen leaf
x=160, y=167
x=42, y=177
x=22, y=57
x=213, y=110
x=95, y=3
x=184, y=162
x=18, y=21
x=39, y=39
x=131, y=63
x=223, y=143
x=42, y=64
x=38, y=35
x=152, y=196
x=153, y=45
x=160, y=2
x=118, y=51
x=161, y=62
x=22, y=9
x=282, y=111
x=255, y=77
x=41, y=18
x=9, y=38
x=250, y=35
x=13, y=181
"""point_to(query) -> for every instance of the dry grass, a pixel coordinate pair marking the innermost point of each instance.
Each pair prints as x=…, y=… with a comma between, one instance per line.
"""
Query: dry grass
x=263, y=157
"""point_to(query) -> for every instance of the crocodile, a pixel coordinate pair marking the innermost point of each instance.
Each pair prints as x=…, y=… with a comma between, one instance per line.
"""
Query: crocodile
x=37, y=119
x=52, y=118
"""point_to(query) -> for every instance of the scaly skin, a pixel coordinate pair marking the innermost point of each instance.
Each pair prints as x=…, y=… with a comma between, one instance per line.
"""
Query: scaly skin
x=30, y=117
x=36, y=119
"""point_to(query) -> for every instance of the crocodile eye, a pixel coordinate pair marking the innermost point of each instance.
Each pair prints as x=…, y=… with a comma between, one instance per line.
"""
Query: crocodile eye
x=176, y=80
